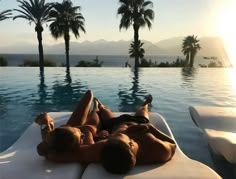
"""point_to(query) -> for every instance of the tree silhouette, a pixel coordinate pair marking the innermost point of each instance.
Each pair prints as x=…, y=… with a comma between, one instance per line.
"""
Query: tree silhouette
x=71, y=93
x=65, y=18
x=35, y=11
x=137, y=14
x=132, y=97
x=5, y=15
x=140, y=51
x=190, y=47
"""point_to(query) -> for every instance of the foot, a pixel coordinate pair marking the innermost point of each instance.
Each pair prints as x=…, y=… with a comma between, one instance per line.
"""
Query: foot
x=100, y=105
x=148, y=100
x=95, y=105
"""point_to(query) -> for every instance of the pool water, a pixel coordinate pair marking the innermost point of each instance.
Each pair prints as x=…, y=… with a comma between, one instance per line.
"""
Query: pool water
x=24, y=93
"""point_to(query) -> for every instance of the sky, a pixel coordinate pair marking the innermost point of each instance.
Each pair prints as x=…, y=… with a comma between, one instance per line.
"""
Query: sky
x=173, y=18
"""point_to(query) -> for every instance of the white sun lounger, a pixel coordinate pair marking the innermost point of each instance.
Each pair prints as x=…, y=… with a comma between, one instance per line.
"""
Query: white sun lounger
x=21, y=161
x=219, y=127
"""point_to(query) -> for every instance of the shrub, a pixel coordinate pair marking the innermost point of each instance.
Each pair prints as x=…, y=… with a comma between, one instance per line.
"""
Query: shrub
x=177, y=63
x=49, y=63
x=30, y=63
x=216, y=64
x=3, y=61
x=94, y=63
x=145, y=63
x=35, y=63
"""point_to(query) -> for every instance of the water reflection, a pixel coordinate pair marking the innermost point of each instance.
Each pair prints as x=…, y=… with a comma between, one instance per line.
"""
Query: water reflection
x=59, y=95
x=188, y=75
x=68, y=78
x=66, y=93
x=3, y=105
x=231, y=77
x=133, y=97
x=42, y=88
x=40, y=102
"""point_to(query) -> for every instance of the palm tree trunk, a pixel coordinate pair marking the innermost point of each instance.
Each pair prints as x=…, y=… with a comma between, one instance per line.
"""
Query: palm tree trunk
x=67, y=48
x=40, y=48
x=136, y=38
x=192, y=56
x=187, y=60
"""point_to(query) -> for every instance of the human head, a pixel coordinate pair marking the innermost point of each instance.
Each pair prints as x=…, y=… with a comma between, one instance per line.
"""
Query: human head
x=64, y=139
x=119, y=154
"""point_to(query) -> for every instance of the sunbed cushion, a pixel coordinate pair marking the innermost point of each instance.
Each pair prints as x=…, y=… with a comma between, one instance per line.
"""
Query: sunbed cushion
x=180, y=166
x=21, y=160
x=219, y=127
x=222, y=143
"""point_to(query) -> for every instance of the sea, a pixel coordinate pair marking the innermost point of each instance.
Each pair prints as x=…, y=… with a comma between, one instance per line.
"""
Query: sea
x=108, y=60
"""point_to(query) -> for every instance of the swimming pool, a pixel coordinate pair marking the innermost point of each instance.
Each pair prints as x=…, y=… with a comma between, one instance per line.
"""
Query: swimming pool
x=24, y=93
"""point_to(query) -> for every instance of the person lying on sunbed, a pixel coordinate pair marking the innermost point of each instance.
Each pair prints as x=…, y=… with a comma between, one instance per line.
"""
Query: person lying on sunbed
x=133, y=140
x=81, y=129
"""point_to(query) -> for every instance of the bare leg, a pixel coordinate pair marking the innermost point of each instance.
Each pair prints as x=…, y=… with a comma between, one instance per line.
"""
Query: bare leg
x=80, y=114
x=104, y=112
x=143, y=110
x=93, y=118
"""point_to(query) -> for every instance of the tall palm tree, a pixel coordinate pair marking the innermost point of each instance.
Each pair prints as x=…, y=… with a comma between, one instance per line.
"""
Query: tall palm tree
x=5, y=14
x=35, y=11
x=138, y=14
x=190, y=48
x=65, y=18
x=141, y=51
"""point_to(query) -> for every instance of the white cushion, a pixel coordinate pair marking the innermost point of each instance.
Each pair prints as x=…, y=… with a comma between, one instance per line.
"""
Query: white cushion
x=222, y=143
x=21, y=160
x=219, y=127
x=180, y=166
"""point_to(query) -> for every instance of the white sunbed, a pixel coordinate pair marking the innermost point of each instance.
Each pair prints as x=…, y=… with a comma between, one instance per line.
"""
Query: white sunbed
x=21, y=160
x=219, y=127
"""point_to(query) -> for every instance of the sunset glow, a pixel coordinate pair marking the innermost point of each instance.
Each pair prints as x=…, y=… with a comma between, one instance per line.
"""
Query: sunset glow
x=231, y=77
x=226, y=27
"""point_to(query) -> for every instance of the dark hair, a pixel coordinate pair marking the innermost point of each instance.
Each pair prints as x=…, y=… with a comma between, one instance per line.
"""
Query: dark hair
x=117, y=157
x=62, y=140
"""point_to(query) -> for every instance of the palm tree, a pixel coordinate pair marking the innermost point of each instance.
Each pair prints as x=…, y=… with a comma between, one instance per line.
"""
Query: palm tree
x=35, y=11
x=190, y=48
x=64, y=18
x=138, y=14
x=132, y=51
x=5, y=15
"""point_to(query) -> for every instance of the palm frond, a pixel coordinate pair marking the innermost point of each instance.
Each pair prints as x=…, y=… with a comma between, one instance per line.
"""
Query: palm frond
x=5, y=14
x=138, y=12
x=35, y=11
x=65, y=17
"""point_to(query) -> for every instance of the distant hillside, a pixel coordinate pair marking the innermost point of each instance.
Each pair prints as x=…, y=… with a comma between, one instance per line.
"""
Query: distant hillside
x=211, y=46
x=100, y=47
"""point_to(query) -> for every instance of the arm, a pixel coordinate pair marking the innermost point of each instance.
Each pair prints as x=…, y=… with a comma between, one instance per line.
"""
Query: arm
x=149, y=128
x=85, y=154
x=88, y=135
x=160, y=135
x=167, y=142
x=46, y=124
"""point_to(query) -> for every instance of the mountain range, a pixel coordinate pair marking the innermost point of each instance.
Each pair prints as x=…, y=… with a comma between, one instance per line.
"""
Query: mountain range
x=210, y=46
